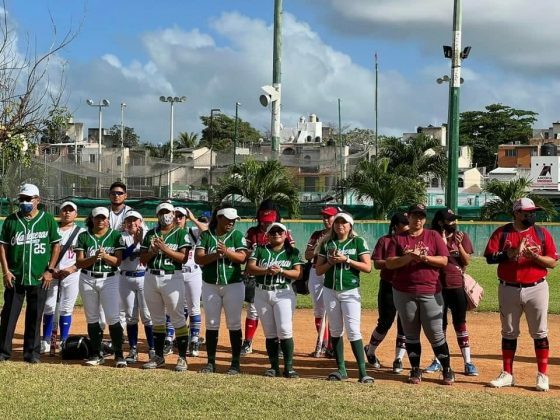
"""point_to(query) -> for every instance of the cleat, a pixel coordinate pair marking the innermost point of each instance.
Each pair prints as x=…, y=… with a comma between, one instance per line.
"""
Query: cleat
x=272, y=373
x=470, y=369
x=372, y=359
x=95, y=361
x=246, y=348
x=181, y=365
x=45, y=347
x=397, y=366
x=233, y=370
x=291, y=374
x=448, y=376
x=415, y=376
x=154, y=363
x=366, y=380
x=194, y=348
x=151, y=353
x=209, y=368
x=542, y=382
x=168, y=347
x=132, y=356
x=120, y=362
x=434, y=367
x=503, y=380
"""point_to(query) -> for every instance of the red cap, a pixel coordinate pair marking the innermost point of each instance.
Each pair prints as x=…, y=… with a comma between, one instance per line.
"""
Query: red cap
x=267, y=216
x=329, y=211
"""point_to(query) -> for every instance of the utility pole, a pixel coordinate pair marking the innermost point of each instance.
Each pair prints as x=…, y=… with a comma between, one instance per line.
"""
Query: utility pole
x=276, y=78
x=123, y=106
x=376, y=111
x=341, y=157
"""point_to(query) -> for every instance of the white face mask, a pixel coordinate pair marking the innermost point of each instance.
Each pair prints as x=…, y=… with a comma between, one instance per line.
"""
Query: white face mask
x=166, y=219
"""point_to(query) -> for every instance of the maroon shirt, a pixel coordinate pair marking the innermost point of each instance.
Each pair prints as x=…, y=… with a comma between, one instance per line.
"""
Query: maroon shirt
x=380, y=253
x=451, y=276
x=417, y=278
x=314, y=240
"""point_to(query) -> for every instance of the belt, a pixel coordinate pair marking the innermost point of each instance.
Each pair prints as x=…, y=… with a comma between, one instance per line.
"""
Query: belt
x=272, y=287
x=162, y=272
x=522, y=285
x=98, y=274
x=134, y=273
x=190, y=268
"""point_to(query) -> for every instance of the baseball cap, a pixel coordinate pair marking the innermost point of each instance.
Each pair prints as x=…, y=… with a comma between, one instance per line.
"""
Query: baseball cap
x=228, y=213
x=329, y=211
x=69, y=203
x=181, y=210
x=276, y=225
x=399, y=218
x=417, y=208
x=28, y=190
x=164, y=206
x=267, y=216
x=344, y=216
x=100, y=211
x=133, y=213
x=446, y=214
x=525, y=204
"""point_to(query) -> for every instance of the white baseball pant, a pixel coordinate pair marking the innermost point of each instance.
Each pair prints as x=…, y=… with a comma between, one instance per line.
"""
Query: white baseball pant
x=165, y=293
x=100, y=291
x=133, y=301
x=230, y=297
x=315, y=285
x=275, y=311
x=343, y=312
x=69, y=288
x=193, y=291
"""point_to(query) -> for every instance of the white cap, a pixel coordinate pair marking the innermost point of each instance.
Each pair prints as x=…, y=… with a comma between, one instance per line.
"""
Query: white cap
x=344, y=216
x=133, y=213
x=525, y=204
x=28, y=190
x=276, y=225
x=181, y=210
x=164, y=206
x=69, y=203
x=228, y=213
x=100, y=211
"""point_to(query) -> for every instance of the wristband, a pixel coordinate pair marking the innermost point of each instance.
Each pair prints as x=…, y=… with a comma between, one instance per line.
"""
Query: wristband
x=50, y=270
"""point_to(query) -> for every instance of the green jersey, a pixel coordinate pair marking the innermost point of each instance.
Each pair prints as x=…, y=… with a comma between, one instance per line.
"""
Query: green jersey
x=267, y=257
x=28, y=244
x=89, y=244
x=175, y=239
x=342, y=276
x=221, y=271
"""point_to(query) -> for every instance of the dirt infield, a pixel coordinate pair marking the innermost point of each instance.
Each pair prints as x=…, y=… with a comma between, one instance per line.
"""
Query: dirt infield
x=484, y=329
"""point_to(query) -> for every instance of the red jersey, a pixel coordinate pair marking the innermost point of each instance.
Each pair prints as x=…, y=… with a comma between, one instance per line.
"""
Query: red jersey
x=417, y=278
x=314, y=240
x=522, y=270
x=256, y=237
x=451, y=276
x=380, y=253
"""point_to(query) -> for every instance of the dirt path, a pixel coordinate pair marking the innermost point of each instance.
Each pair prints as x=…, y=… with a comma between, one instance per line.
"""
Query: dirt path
x=485, y=337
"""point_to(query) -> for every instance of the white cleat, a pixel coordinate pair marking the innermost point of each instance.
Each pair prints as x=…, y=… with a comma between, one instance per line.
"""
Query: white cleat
x=542, y=382
x=45, y=347
x=505, y=379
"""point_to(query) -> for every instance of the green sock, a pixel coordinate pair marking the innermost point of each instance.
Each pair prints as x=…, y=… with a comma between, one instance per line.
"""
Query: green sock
x=211, y=345
x=338, y=346
x=358, y=350
x=235, y=339
x=288, y=349
x=272, y=351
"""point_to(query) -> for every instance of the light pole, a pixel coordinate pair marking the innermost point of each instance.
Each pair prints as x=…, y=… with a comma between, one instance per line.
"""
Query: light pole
x=123, y=106
x=100, y=105
x=172, y=100
x=212, y=111
x=237, y=105
x=341, y=157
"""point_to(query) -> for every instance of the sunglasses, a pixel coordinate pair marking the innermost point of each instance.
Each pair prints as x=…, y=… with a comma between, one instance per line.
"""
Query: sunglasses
x=276, y=232
x=179, y=216
x=118, y=193
x=23, y=199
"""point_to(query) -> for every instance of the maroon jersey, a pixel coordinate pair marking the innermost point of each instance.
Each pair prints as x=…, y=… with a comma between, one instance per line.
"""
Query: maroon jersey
x=451, y=276
x=417, y=278
x=256, y=237
x=380, y=253
x=314, y=240
x=522, y=270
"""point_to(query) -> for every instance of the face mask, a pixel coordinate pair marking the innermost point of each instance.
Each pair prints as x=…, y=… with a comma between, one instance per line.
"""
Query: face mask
x=26, y=207
x=450, y=228
x=166, y=219
x=529, y=220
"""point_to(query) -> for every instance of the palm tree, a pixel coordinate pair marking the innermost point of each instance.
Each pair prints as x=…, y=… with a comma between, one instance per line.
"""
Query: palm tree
x=506, y=193
x=186, y=140
x=257, y=181
x=388, y=190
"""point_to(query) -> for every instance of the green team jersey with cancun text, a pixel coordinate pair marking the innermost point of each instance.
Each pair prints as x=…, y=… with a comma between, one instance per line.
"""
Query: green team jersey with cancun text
x=341, y=276
x=176, y=239
x=88, y=243
x=221, y=271
x=29, y=245
x=267, y=257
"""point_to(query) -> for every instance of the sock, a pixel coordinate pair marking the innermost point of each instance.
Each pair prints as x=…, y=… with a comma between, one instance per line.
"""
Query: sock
x=272, y=351
x=211, y=345
x=463, y=341
x=159, y=339
x=338, y=346
x=195, y=323
x=358, y=350
x=326, y=337
x=116, y=333
x=287, y=345
x=169, y=328
x=374, y=341
x=250, y=328
x=95, y=333
x=132, y=333
x=235, y=338
x=182, y=335
x=149, y=331
x=414, y=351
x=541, y=351
x=47, y=326
x=64, y=322
x=400, y=342
x=442, y=354
x=508, y=354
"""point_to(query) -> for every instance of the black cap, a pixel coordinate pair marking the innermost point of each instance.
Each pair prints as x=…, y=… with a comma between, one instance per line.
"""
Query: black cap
x=417, y=208
x=399, y=218
x=446, y=214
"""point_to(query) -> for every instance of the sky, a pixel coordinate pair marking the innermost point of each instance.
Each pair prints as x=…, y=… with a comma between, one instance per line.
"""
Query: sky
x=219, y=52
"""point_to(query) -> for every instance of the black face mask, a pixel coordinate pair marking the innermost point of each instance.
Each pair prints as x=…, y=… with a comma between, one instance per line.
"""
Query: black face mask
x=450, y=228
x=529, y=220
